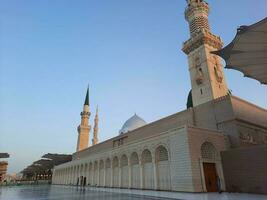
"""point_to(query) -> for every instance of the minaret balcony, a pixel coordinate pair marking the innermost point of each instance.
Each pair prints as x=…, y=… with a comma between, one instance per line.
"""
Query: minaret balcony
x=85, y=113
x=200, y=38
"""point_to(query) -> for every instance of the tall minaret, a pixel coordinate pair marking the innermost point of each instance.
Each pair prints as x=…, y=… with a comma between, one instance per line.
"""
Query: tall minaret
x=206, y=71
x=95, y=138
x=84, y=128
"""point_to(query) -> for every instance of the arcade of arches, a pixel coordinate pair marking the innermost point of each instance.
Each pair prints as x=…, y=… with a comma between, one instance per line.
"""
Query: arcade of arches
x=127, y=171
x=171, y=164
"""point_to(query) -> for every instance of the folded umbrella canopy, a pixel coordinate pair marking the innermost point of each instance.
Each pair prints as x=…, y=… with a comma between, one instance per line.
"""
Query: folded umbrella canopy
x=248, y=51
x=4, y=155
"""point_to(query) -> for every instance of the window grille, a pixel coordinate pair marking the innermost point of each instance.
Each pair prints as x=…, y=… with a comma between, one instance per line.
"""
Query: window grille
x=162, y=154
x=124, y=160
x=115, y=162
x=146, y=156
x=208, y=151
x=134, y=159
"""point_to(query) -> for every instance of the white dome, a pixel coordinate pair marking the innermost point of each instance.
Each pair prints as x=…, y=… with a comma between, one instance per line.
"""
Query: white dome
x=133, y=123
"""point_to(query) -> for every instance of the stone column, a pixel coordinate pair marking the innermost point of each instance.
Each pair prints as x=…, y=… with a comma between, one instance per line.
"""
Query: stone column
x=129, y=172
x=141, y=174
x=87, y=174
x=73, y=176
x=54, y=176
x=78, y=175
x=111, y=169
x=98, y=174
x=60, y=176
x=69, y=179
x=120, y=173
x=65, y=176
x=68, y=176
x=155, y=173
x=93, y=175
x=104, y=182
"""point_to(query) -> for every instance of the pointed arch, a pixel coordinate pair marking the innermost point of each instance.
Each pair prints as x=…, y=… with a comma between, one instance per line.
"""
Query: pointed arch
x=148, y=174
x=208, y=151
x=108, y=172
x=135, y=170
x=124, y=171
x=101, y=173
x=115, y=165
x=163, y=168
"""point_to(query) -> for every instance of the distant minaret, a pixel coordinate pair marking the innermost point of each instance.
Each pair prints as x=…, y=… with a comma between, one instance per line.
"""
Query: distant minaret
x=84, y=128
x=206, y=71
x=95, y=138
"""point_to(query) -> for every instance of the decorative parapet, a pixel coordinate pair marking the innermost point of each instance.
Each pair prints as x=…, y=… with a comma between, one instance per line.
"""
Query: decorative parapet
x=200, y=38
x=199, y=7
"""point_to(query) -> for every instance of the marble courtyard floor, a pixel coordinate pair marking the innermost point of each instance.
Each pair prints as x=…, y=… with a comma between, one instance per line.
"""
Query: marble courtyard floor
x=47, y=192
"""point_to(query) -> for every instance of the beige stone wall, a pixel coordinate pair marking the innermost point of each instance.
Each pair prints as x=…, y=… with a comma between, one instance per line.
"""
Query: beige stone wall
x=179, y=162
x=205, y=84
x=249, y=112
x=239, y=119
x=225, y=116
x=220, y=114
x=150, y=130
x=183, y=145
x=196, y=138
x=181, y=170
x=245, y=169
x=251, y=123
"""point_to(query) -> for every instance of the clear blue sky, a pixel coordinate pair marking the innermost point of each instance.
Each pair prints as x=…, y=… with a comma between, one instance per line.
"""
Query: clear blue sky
x=129, y=52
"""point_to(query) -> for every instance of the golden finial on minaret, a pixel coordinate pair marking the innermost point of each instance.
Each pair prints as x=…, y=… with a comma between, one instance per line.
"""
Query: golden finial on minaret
x=84, y=128
x=95, y=138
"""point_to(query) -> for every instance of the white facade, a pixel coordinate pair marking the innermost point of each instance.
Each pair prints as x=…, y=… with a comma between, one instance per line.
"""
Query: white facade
x=162, y=162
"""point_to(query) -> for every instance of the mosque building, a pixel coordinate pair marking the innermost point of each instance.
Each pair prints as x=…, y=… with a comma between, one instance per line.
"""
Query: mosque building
x=181, y=152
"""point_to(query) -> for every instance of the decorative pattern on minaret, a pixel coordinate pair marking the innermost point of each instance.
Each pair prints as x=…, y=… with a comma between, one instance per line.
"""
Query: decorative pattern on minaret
x=95, y=138
x=84, y=128
x=206, y=72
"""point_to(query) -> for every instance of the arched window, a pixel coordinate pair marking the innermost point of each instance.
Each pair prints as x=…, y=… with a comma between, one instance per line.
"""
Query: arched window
x=124, y=160
x=134, y=159
x=115, y=162
x=108, y=165
x=101, y=165
x=208, y=151
x=96, y=165
x=90, y=166
x=146, y=156
x=161, y=154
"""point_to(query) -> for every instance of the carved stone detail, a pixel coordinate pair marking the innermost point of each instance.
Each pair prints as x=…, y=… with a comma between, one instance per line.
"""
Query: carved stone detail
x=247, y=138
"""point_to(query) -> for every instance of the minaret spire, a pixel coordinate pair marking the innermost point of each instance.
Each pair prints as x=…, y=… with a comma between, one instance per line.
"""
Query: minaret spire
x=206, y=71
x=95, y=138
x=86, y=101
x=84, y=128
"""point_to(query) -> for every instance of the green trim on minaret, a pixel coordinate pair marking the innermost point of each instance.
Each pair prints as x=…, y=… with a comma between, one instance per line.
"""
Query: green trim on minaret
x=189, y=103
x=86, y=102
